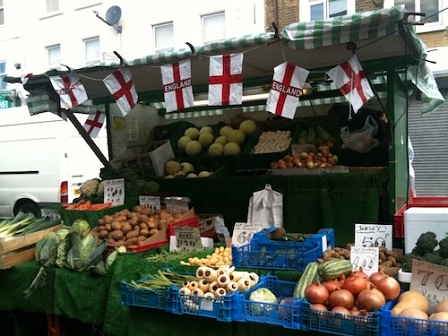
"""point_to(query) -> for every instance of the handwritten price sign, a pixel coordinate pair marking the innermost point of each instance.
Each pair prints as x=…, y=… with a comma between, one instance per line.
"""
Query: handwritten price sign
x=431, y=280
x=114, y=191
x=152, y=202
x=243, y=233
x=373, y=235
x=365, y=257
x=188, y=238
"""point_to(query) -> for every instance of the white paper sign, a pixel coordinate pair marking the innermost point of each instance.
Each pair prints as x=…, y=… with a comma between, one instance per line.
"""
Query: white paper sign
x=152, y=202
x=188, y=238
x=243, y=233
x=431, y=280
x=177, y=204
x=365, y=257
x=373, y=235
x=207, y=243
x=114, y=191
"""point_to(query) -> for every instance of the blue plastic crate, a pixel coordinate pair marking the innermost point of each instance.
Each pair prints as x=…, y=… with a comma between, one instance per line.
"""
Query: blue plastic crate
x=339, y=324
x=286, y=314
x=264, y=253
x=406, y=326
x=218, y=308
x=147, y=298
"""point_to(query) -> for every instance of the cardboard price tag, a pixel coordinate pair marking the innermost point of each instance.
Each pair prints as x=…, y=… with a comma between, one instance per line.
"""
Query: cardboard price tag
x=373, y=235
x=188, y=238
x=431, y=280
x=243, y=233
x=365, y=257
x=114, y=191
x=177, y=204
x=152, y=202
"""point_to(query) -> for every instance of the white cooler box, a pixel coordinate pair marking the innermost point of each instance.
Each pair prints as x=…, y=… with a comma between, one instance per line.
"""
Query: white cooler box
x=421, y=220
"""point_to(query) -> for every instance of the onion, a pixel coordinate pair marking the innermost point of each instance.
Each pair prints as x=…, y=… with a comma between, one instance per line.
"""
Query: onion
x=376, y=276
x=389, y=287
x=341, y=297
x=318, y=306
x=341, y=280
x=355, y=311
x=359, y=273
x=331, y=285
x=355, y=285
x=341, y=310
x=371, y=299
x=316, y=293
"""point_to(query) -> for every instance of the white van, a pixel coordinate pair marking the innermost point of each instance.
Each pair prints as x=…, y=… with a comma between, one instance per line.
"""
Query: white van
x=43, y=160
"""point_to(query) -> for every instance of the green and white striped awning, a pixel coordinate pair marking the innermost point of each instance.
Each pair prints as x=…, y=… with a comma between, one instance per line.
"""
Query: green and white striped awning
x=342, y=29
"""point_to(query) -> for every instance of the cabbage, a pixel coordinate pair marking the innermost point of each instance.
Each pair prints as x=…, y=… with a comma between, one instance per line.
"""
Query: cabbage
x=84, y=252
x=262, y=295
x=80, y=226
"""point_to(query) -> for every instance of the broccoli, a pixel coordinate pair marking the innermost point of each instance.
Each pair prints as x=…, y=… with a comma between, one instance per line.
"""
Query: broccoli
x=443, y=247
x=426, y=243
x=433, y=257
x=407, y=261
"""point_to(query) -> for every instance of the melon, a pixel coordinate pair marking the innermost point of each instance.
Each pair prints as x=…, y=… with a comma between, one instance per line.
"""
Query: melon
x=231, y=148
x=248, y=126
x=206, y=129
x=206, y=139
x=225, y=130
x=222, y=139
x=215, y=149
x=182, y=142
x=237, y=137
x=193, y=148
x=192, y=133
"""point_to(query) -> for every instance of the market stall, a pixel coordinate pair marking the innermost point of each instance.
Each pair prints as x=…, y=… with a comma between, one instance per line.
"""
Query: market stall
x=371, y=189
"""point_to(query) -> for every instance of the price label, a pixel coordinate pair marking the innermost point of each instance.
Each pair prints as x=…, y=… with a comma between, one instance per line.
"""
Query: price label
x=176, y=204
x=243, y=233
x=152, y=202
x=50, y=213
x=373, y=235
x=431, y=280
x=188, y=238
x=114, y=191
x=365, y=257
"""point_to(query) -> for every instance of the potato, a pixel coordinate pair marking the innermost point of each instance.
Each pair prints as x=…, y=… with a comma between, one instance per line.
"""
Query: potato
x=141, y=238
x=153, y=231
x=121, y=218
x=108, y=219
x=131, y=241
x=103, y=234
x=143, y=226
x=101, y=221
x=126, y=228
x=116, y=225
x=133, y=221
x=143, y=218
x=146, y=211
x=132, y=234
x=108, y=227
x=144, y=232
x=101, y=228
x=117, y=234
x=138, y=208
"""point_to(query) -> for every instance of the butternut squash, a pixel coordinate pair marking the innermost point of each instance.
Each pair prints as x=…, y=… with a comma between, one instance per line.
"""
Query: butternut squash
x=442, y=306
x=414, y=313
x=440, y=316
x=411, y=299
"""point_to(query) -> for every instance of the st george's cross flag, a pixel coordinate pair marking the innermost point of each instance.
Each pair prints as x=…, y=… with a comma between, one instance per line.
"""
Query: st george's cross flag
x=70, y=90
x=225, y=80
x=286, y=88
x=94, y=123
x=351, y=80
x=121, y=86
x=178, y=92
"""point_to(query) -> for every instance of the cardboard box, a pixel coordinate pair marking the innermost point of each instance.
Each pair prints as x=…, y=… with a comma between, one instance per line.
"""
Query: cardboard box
x=14, y=251
x=420, y=220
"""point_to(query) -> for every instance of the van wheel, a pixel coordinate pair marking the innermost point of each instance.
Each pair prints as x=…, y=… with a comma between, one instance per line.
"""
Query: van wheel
x=28, y=207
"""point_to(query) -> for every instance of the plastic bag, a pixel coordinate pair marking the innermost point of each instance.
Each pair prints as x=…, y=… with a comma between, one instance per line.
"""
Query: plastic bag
x=266, y=208
x=361, y=140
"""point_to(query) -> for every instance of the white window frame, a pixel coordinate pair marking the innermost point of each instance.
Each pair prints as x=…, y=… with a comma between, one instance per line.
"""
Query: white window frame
x=54, y=65
x=427, y=27
x=2, y=16
x=305, y=8
x=207, y=38
x=160, y=47
x=94, y=60
x=49, y=4
x=3, y=85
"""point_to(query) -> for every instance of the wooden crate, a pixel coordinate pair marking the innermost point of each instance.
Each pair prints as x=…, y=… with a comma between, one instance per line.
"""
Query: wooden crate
x=14, y=251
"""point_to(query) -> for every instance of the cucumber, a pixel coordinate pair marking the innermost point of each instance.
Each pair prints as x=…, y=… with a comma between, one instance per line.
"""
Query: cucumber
x=334, y=269
x=308, y=277
x=322, y=133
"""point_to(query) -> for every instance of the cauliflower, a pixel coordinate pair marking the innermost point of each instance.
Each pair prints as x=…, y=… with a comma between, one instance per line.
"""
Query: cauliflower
x=172, y=167
x=90, y=187
x=101, y=188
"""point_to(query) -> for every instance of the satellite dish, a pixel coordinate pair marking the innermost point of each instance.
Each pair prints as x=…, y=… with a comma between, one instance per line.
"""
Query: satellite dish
x=113, y=15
